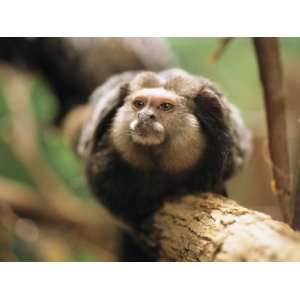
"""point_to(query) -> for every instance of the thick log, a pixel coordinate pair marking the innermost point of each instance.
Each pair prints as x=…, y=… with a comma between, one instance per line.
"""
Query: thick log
x=209, y=227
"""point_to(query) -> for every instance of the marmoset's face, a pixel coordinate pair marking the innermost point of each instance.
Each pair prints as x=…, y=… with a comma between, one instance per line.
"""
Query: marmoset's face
x=154, y=113
x=156, y=125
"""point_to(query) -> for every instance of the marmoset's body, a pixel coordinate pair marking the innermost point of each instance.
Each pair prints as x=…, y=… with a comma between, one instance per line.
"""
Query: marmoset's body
x=156, y=135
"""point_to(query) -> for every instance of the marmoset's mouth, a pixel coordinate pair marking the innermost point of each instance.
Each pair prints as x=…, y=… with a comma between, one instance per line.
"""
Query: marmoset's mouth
x=147, y=133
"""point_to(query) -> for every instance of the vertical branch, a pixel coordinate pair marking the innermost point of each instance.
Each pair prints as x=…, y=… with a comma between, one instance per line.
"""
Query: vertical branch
x=270, y=69
x=296, y=190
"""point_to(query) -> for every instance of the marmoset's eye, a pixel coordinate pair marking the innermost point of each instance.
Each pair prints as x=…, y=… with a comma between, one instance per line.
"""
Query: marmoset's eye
x=166, y=106
x=138, y=103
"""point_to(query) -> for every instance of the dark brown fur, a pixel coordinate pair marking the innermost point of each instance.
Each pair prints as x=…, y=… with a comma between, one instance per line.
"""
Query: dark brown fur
x=134, y=193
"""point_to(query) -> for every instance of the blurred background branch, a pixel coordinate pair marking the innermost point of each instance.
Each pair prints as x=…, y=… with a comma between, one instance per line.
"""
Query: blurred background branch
x=218, y=52
x=50, y=203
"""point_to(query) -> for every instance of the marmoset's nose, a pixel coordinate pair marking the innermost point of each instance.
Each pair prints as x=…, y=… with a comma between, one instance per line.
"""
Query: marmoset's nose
x=145, y=116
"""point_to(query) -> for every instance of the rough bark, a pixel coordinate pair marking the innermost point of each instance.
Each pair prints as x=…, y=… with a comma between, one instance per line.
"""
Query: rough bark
x=209, y=227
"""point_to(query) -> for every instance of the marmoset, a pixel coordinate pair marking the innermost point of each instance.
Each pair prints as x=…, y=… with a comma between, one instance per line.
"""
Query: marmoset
x=153, y=136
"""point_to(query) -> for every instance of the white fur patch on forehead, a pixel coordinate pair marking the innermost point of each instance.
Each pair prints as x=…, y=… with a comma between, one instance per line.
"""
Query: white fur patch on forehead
x=159, y=92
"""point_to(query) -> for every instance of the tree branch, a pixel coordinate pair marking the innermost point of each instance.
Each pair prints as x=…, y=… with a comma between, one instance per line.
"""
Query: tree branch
x=218, y=52
x=209, y=227
x=270, y=70
x=296, y=191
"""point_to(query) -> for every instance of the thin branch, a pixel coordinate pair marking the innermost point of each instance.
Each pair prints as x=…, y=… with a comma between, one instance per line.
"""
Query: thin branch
x=218, y=52
x=270, y=70
x=296, y=191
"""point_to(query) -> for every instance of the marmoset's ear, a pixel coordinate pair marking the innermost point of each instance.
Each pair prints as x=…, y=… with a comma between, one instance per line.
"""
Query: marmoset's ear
x=212, y=111
x=104, y=102
x=210, y=103
x=124, y=91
